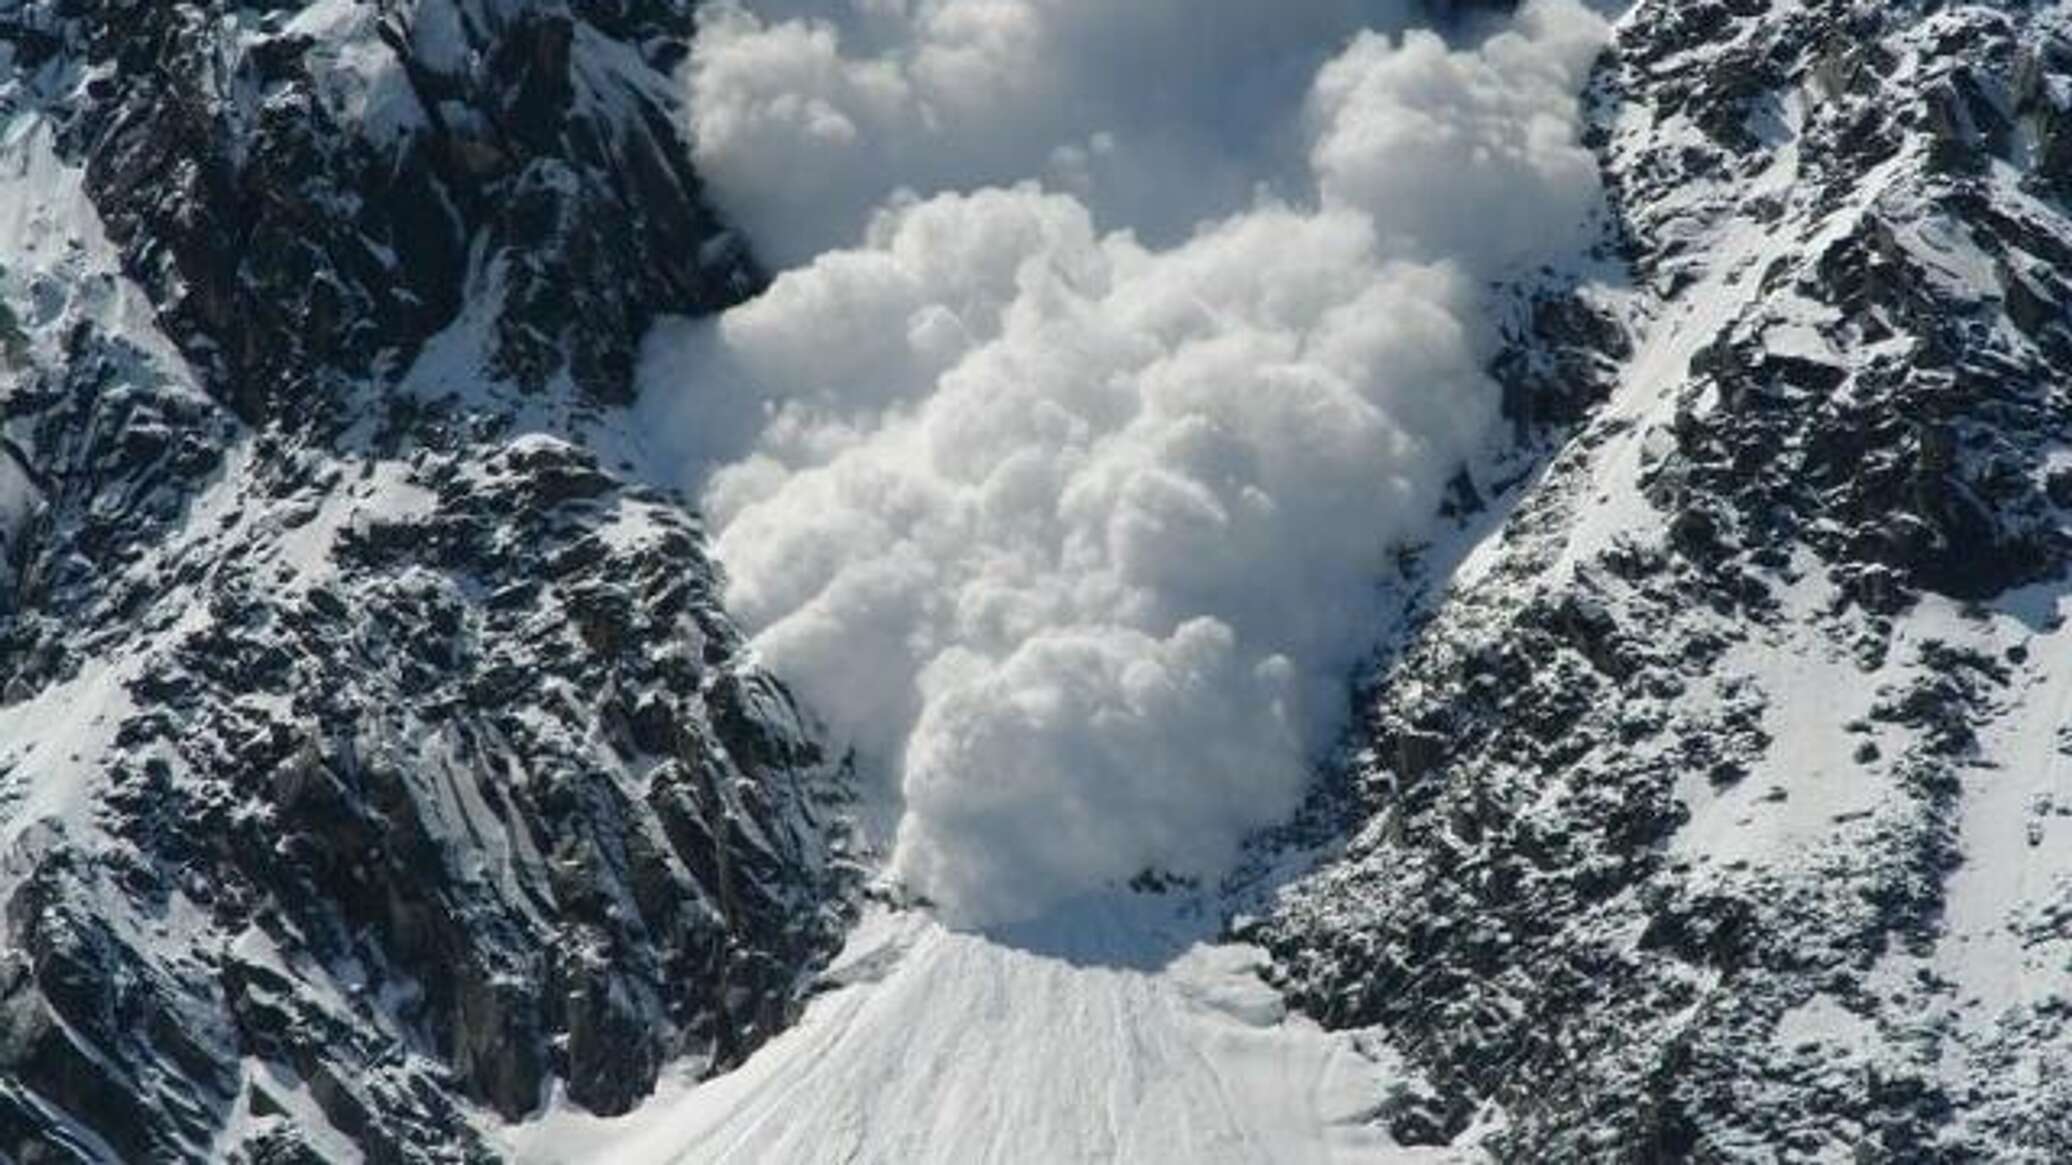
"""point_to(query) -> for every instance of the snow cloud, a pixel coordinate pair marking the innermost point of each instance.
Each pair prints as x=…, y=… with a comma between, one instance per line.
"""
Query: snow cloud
x=1119, y=344
x=809, y=114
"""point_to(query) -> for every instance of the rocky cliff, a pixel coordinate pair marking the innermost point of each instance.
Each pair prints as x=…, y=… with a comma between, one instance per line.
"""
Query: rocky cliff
x=373, y=753
x=1712, y=809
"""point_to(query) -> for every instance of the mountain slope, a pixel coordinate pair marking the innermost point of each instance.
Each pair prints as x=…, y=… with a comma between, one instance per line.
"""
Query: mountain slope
x=1112, y=1031
x=380, y=778
x=373, y=754
x=1712, y=810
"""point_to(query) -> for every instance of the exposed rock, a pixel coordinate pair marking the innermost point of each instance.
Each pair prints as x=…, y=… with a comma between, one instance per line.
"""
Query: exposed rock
x=368, y=769
x=1657, y=829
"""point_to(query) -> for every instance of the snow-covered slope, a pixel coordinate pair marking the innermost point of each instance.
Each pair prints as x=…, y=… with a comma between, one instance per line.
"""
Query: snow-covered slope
x=373, y=753
x=1115, y=1031
x=1711, y=812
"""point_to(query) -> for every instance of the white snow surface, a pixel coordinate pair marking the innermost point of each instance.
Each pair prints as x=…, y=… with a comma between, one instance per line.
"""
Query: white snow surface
x=2004, y=946
x=1108, y=1032
x=358, y=75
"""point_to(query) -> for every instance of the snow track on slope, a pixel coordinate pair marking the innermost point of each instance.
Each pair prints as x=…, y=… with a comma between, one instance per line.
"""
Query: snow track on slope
x=1069, y=1041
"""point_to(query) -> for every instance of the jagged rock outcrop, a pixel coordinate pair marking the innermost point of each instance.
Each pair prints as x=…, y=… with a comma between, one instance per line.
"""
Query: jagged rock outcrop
x=374, y=756
x=321, y=182
x=1708, y=813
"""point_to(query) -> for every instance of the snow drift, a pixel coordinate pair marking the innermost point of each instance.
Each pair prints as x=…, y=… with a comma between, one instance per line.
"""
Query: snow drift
x=1057, y=472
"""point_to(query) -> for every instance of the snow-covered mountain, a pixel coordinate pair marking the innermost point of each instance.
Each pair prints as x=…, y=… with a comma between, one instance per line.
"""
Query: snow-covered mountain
x=1714, y=808
x=375, y=756
x=382, y=777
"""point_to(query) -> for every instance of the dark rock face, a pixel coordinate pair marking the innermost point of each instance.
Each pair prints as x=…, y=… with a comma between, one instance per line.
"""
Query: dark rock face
x=297, y=241
x=1658, y=830
x=1921, y=460
x=374, y=758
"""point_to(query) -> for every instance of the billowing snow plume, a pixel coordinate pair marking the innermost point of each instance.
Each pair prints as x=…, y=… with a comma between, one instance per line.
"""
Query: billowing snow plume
x=1155, y=112
x=1074, y=530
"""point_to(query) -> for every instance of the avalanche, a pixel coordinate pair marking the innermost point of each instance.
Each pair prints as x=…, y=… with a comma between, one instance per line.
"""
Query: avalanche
x=1075, y=531
x=1071, y=533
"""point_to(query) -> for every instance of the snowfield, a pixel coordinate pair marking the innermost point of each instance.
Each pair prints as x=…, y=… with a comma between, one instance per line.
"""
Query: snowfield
x=1111, y=1032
